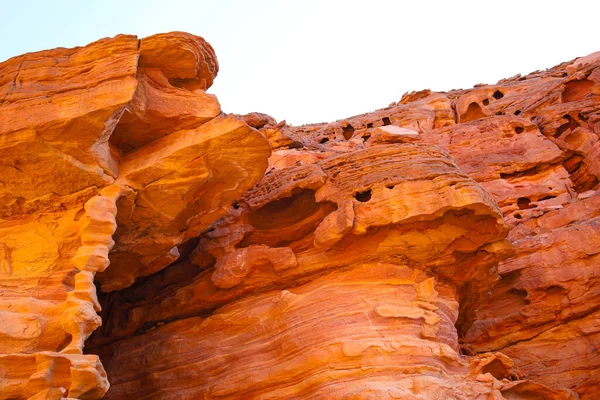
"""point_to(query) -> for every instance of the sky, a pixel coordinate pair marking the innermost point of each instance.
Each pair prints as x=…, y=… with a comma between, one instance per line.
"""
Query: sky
x=309, y=61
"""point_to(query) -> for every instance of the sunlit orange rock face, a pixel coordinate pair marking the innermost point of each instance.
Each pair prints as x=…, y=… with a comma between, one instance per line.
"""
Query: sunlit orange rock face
x=109, y=154
x=154, y=247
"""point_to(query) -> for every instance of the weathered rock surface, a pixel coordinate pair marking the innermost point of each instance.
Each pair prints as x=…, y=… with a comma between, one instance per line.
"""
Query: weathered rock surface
x=67, y=185
x=443, y=247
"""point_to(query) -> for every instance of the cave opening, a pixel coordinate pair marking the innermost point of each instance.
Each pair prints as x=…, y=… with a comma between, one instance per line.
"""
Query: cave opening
x=498, y=95
x=524, y=203
x=287, y=220
x=154, y=300
x=573, y=163
x=576, y=90
x=473, y=112
x=118, y=305
x=570, y=125
x=364, y=196
x=348, y=132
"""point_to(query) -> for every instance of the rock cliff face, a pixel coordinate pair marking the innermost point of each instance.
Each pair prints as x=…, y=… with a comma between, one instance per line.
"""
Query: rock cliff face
x=446, y=246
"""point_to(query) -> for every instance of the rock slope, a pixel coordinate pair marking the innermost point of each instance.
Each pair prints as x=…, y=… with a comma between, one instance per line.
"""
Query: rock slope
x=443, y=247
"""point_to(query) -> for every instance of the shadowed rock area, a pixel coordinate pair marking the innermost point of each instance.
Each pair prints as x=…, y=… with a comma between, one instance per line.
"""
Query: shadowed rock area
x=154, y=247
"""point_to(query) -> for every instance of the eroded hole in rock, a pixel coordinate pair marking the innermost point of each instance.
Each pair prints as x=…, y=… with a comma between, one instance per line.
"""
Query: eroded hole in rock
x=583, y=178
x=67, y=341
x=370, y=125
x=498, y=95
x=517, y=112
x=324, y=140
x=518, y=216
x=497, y=369
x=348, y=132
x=520, y=295
x=79, y=214
x=366, y=137
x=519, y=129
x=386, y=121
x=524, y=203
x=363, y=197
x=189, y=84
x=390, y=187
x=486, y=102
x=146, y=293
x=283, y=221
x=575, y=138
x=573, y=163
x=570, y=125
x=576, y=90
x=556, y=291
x=531, y=171
x=473, y=112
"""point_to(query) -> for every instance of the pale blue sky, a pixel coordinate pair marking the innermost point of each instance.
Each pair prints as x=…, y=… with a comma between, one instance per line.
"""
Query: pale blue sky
x=313, y=61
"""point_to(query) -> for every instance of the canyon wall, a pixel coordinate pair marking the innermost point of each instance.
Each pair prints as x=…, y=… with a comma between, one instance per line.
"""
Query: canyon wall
x=154, y=247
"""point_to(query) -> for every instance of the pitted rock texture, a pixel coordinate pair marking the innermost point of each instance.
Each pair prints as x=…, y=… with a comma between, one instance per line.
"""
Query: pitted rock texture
x=443, y=247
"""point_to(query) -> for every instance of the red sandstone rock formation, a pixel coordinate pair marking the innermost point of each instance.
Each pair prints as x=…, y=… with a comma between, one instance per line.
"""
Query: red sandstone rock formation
x=444, y=247
x=67, y=185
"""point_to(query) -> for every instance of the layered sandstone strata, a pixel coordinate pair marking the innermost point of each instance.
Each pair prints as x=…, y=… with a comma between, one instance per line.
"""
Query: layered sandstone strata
x=341, y=279
x=67, y=185
x=443, y=247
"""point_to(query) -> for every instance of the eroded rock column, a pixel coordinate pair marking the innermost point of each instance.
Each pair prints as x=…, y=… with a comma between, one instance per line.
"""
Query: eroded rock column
x=57, y=211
